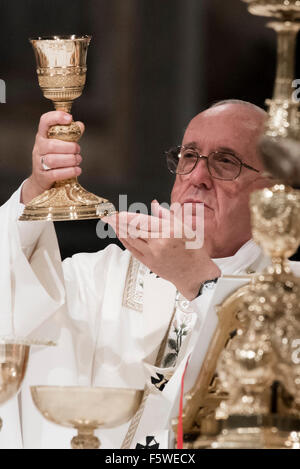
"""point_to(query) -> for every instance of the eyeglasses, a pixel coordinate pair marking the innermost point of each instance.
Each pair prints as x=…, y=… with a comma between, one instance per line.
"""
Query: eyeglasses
x=220, y=165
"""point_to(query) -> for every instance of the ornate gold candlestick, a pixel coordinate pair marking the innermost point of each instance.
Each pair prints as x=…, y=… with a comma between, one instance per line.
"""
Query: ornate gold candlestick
x=61, y=69
x=283, y=9
x=280, y=146
x=247, y=391
x=264, y=350
x=256, y=344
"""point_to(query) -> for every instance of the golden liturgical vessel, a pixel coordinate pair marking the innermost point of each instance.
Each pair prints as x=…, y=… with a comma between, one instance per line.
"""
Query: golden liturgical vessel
x=61, y=70
x=14, y=356
x=13, y=365
x=86, y=409
x=247, y=393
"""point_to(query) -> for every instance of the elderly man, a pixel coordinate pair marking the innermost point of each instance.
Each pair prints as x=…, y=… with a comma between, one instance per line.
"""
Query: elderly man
x=129, y=318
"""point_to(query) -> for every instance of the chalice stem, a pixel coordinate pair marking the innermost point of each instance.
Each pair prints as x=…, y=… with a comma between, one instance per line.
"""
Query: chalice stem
x=63, y=106
x=67, y=133
x=85, y=439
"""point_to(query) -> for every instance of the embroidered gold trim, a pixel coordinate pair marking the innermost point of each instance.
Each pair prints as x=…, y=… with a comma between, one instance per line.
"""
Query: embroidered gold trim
x=133, y=291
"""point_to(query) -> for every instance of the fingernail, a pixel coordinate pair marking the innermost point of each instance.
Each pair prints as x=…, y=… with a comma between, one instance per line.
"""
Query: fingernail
x=67, y=117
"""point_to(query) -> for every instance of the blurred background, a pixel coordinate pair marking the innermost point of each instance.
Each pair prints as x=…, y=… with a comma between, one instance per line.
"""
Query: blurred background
x=152, y=65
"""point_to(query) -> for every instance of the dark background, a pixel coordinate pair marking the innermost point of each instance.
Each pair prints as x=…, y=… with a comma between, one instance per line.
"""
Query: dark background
x=152, y=65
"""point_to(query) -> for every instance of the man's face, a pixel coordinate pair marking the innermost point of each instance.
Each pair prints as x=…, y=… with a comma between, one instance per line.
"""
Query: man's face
x=226, y=210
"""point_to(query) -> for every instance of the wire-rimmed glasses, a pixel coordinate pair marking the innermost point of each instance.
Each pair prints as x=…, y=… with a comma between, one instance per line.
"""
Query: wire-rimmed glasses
x=221, y=165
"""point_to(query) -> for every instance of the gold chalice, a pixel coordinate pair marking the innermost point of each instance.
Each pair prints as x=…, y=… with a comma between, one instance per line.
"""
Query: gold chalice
x=61, y=70
x=14, y=355
x=86, y=409
x=13, y=364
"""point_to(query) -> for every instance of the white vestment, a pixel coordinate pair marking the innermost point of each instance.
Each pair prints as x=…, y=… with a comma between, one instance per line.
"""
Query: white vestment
x=109, y=315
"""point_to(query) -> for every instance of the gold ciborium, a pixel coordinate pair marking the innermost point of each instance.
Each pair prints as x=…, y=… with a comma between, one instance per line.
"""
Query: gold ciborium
x=61, y=70
x=86, y=409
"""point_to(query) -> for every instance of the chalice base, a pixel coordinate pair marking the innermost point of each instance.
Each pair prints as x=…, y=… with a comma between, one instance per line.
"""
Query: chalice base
x=67, y=200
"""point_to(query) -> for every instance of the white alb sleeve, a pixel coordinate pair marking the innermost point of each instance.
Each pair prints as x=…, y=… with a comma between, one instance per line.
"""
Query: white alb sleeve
x=31, y=280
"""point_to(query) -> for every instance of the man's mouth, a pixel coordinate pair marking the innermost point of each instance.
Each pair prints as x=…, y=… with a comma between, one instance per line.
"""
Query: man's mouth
x=195, y=202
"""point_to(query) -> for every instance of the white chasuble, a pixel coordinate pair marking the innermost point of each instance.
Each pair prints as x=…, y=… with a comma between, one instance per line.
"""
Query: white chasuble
x=115, y=324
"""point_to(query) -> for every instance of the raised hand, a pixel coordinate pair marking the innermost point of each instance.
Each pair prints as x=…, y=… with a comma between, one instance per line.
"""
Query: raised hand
x=52, y=160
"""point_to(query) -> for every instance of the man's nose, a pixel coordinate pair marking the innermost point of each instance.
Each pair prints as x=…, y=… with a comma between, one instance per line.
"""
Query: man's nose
x=200, y=175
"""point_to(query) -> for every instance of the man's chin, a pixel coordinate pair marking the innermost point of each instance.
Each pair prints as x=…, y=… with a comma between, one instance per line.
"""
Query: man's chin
x=197, y=222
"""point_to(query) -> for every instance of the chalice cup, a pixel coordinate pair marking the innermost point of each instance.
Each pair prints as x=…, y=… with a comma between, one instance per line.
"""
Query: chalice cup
x=86, y=409
x=61, y=70
x=13, y=365
x=14, y=356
